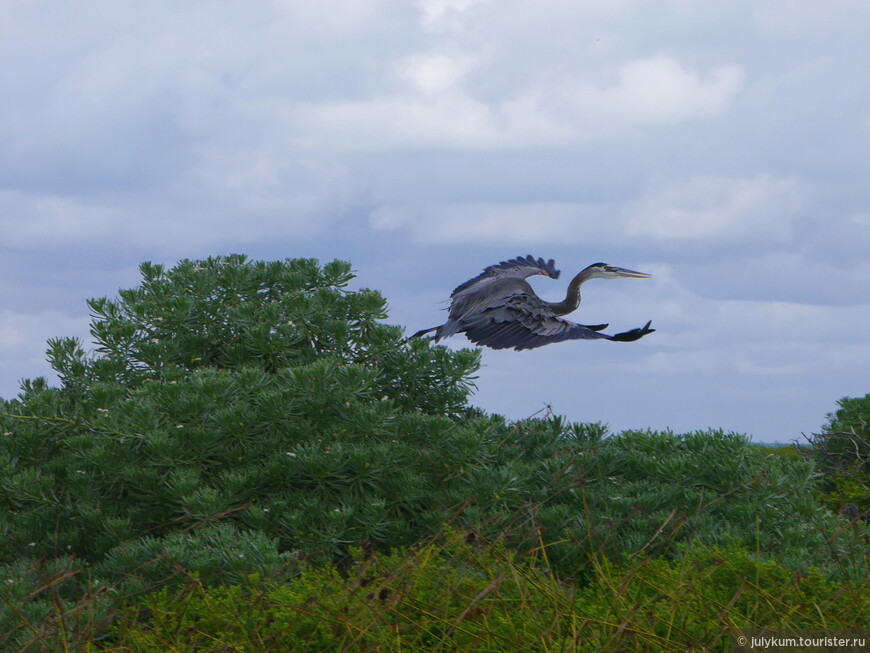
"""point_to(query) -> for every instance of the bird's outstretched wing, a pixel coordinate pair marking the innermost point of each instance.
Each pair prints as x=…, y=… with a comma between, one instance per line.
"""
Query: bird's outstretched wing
x=516, y=268
x=523, y=321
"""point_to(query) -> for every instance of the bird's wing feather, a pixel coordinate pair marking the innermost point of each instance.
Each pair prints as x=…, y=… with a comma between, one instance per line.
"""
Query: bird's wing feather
x=522, y=321
x=516, y=268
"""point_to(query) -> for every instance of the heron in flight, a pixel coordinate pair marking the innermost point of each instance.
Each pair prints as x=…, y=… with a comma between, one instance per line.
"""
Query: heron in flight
x=499, y=309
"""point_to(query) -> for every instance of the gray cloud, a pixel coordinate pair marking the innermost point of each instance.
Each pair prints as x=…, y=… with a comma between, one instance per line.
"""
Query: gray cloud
x=720, y=147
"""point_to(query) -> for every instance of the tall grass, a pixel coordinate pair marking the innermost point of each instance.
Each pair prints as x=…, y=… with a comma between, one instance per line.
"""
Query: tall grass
x=454, y=592
x=458, y=593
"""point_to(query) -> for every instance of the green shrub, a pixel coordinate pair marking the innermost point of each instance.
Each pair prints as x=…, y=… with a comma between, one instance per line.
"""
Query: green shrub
x=653, y=492
x=48, y=605
x=456, y=596
x=842, y=453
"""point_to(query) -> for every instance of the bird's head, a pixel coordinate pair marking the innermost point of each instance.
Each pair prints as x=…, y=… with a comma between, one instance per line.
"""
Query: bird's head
x=605, y=271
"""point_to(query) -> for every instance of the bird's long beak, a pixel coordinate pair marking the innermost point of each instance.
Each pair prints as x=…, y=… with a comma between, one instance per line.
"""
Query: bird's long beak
x=631, y=274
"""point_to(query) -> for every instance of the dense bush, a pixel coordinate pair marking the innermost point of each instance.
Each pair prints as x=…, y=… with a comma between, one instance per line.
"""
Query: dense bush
x=455, y=596
x=842, y=454
x=259, y=393
x=243, y=417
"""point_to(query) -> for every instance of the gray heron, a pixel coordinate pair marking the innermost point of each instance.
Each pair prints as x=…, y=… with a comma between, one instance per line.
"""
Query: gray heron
x=499, y=309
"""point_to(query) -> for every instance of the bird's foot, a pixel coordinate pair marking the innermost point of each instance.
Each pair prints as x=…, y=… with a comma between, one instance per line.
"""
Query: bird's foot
x=634, y=334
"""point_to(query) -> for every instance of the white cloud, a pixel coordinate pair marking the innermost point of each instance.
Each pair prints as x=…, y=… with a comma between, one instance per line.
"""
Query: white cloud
x=700, y=334
x=750, y=360
x=650, y=92
x=700, y=321
x=661, y=90
x=455, y=121
x=723, y=209
x=718, y=207
x=789, y=275
x=435, y=73
x=496, y=222
x=439, y=11
x=228, y=201
x=438, y=110
x=801, y=20
x=50, y=219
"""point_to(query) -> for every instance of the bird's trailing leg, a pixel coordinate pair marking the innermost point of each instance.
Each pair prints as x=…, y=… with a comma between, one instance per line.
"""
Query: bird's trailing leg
x=634, y=334
x=595, y=327
x=423, y=332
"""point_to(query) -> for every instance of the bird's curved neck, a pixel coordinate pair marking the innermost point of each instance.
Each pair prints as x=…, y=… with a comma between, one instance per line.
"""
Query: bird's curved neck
x=572, y=297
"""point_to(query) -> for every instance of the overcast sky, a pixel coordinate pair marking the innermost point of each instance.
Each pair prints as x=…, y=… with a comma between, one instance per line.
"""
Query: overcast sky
x=721, y=147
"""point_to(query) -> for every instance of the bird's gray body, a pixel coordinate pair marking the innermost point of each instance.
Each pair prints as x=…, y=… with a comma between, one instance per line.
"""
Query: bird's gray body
x=499, y=309
x=487, y=295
